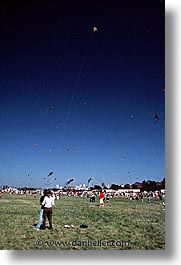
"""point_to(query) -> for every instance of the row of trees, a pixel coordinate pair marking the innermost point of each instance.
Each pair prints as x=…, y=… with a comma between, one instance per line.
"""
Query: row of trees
x=146, y=185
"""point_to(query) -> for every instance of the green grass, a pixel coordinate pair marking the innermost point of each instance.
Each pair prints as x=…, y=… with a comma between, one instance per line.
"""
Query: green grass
x=138, y=225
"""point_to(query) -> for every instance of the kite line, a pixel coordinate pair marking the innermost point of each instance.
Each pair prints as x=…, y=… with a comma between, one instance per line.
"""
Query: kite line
x=72, y=97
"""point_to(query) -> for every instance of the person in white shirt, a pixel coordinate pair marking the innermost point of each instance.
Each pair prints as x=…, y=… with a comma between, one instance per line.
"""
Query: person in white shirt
x=48, y=202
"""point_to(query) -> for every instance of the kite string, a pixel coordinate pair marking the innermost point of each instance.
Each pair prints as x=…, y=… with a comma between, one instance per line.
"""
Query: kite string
x=71, y=101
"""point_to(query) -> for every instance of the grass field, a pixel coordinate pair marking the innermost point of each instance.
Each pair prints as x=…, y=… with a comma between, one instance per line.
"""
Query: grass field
x=121, y=224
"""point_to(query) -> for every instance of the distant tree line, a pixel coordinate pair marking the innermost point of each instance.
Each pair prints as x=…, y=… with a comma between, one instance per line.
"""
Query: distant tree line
x=146, y=185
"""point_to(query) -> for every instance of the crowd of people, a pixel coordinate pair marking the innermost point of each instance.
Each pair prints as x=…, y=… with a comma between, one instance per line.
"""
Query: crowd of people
x=48, y=198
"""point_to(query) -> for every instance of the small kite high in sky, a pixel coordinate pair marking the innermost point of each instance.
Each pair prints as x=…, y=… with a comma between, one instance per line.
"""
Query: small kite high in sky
x=49, y=174
x=67, y=149
x=156, y=117
x=51, y=107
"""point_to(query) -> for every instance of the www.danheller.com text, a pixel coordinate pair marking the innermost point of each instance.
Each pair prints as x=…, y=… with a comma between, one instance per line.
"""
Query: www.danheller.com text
x=82, y=243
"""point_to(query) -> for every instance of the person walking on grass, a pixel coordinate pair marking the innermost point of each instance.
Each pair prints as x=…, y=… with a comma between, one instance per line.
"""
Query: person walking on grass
x=37, y=227
x=48, y=202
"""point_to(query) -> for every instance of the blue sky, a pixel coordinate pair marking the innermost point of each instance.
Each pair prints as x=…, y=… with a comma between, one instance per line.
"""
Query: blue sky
x=111, y=133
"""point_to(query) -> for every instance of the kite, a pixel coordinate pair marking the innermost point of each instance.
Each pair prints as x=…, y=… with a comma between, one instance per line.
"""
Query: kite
x=51, y=107
x=49, y=174
x=89, y=180
x=67, y=149
x=74, y=90
x=44, y=112
x=156, y=117
x=70, y=180
x=123, y=158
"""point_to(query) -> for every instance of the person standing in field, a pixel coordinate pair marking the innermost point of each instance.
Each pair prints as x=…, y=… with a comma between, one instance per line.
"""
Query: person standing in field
x=48, y=202
x=101, y=197
x=37, y=227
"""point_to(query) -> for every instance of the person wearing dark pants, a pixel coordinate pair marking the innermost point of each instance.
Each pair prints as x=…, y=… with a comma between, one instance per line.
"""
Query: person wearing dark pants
x=47, y=213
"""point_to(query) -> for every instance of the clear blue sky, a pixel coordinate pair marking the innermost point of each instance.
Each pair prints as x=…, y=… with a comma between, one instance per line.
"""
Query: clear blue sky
x=111, y=133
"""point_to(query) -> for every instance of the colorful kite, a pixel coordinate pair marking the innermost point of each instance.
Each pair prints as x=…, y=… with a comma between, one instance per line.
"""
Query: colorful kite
x=89, y=180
